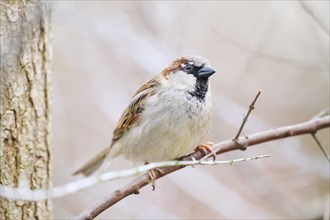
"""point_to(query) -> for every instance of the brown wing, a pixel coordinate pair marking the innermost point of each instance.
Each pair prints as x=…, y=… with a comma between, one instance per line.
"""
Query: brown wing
x=126, y=121
x=132, y=113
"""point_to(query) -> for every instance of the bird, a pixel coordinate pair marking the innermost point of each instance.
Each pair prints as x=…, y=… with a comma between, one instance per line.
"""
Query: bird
x=167, y=117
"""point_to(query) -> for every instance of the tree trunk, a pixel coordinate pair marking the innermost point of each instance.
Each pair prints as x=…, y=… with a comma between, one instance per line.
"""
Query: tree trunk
x=24, y=105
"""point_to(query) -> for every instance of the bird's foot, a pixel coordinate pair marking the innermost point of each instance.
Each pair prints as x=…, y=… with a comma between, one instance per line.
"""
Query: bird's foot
x=153, y=176
x=206, y=148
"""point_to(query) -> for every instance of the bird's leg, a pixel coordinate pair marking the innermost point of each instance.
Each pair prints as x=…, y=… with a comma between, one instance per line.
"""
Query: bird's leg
x=205, y=148
x=153, y=176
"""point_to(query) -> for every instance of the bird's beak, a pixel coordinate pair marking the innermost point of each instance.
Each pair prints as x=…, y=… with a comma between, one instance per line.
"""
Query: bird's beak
x=206, y=72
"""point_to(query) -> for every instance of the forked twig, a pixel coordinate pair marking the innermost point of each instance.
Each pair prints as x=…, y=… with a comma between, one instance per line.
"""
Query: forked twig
x=134, y=186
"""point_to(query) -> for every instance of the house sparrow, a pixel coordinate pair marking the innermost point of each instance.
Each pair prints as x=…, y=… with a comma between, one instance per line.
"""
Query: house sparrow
x=167, y=117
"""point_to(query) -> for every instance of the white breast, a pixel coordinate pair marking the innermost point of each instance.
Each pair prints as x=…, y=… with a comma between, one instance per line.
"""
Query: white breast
x=172, y=124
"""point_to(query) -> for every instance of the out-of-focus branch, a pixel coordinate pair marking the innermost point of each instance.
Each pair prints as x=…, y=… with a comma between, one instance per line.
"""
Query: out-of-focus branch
x=313, y=16
x=309, y=127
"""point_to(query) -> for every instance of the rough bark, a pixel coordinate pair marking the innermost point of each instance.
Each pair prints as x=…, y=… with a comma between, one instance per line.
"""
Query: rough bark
x=24, y=105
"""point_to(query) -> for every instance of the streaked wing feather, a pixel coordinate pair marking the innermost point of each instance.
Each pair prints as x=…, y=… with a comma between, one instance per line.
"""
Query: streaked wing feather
x=132, y=113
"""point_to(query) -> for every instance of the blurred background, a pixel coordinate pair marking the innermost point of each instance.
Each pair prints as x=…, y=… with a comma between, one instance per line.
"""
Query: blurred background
x=105, y=50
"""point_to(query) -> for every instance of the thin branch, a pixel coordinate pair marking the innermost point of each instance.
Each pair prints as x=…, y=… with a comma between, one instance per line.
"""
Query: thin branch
x=309, y=127
x=323, y=113
x=75, y=186
x=320, y=146
x=251, y=107
x=310, y=12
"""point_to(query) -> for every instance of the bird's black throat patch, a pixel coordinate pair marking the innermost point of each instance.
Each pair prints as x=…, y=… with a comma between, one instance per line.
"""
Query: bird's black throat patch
x=200, y=90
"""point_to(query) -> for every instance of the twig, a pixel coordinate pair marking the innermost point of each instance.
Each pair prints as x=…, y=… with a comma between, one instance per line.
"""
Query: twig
x=133, y=187
x=60, y=191
x=251, y=107
x=321, y=114
x=314, y=17
x=320, y=146
x=309, y=127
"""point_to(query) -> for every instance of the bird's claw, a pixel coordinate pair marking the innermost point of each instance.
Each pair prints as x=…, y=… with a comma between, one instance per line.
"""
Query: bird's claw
x=206, y=148
x=153, y=176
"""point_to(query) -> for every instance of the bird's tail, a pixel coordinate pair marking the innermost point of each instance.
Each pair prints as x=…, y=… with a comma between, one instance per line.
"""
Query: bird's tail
x=93, y=164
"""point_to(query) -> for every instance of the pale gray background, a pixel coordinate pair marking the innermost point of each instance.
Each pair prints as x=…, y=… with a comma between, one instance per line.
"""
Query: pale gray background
x=103, y=51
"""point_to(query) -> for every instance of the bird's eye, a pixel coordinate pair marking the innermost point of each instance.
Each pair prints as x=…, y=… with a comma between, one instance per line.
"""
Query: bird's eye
x=188, y=68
